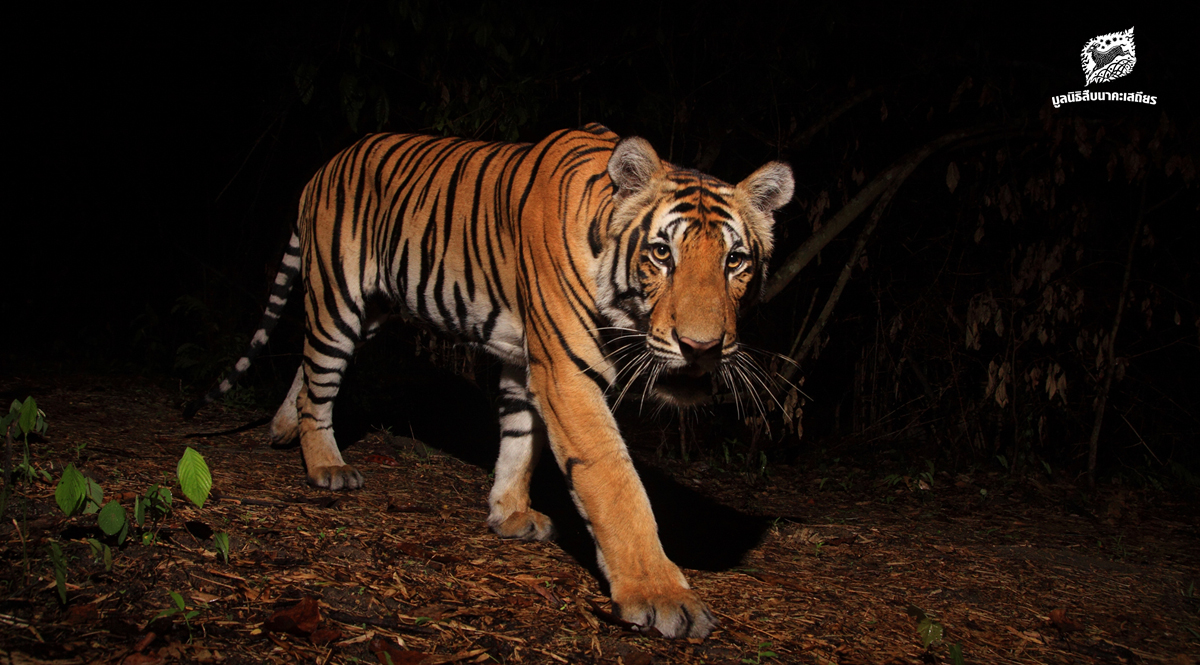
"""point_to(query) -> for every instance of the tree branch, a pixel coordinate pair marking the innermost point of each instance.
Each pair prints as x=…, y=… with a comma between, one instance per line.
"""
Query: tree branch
x=895, y=174
x=1109, y=356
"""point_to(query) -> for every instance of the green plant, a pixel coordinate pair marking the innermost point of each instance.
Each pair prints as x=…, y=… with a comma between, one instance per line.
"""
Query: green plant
x=956, y=654
x=60, y=571
x=221, y=542
x=194, y=477
x=927, y=476
x=928, y=628
x=764, y=651
x=29, y=419
x=180, y=608
x=155, y=504
x=101, y=552
x=77, y=493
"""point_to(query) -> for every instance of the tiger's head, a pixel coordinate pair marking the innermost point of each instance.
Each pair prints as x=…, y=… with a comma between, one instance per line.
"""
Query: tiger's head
x=685, y=253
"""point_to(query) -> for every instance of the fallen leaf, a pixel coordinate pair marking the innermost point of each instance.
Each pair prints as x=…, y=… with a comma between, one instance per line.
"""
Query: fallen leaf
x=80, y=614
x=381, y=459
x=1058, y=617
x=144, y=641
x=390, y=654
x=300, y=619
x=323, y=636
x=142, y=659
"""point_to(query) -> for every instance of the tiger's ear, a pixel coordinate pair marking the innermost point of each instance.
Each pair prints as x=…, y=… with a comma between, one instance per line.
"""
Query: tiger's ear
x=632, y=164
x=770, y=187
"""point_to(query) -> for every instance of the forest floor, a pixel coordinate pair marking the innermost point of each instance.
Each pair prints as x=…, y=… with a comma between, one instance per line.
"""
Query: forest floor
x=830, y=561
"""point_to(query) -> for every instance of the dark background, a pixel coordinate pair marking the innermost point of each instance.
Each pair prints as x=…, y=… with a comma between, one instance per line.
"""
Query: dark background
x=157, y=156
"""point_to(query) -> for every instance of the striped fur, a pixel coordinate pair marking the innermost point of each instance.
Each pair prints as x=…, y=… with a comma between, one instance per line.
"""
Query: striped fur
x=583, y=262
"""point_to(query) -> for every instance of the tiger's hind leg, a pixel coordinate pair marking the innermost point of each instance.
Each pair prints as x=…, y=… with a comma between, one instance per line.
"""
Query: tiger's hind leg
x=522, y=436
x=329, y=344
x=285, y=426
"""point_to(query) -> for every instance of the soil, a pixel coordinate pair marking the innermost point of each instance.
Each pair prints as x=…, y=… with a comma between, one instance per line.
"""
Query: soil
x=856, y=555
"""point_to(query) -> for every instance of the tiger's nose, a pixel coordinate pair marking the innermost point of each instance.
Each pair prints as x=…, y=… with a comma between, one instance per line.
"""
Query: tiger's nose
x=696, y=351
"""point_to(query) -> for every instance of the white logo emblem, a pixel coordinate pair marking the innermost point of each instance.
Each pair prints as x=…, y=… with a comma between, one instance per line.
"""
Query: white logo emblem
x=1108, y=57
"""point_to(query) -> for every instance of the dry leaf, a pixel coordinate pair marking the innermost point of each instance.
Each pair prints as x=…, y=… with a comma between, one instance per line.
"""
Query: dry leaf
x=1058, y=617
x=323, y=636
x=952, y=177
x=390, y=654
x=142, y=659
x=300, y=620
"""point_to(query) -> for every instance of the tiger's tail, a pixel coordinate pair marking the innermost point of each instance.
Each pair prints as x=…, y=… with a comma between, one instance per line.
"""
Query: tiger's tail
x=289, y=268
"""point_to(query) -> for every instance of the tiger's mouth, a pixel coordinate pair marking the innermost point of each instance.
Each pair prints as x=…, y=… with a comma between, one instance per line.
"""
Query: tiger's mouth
x=687, y=386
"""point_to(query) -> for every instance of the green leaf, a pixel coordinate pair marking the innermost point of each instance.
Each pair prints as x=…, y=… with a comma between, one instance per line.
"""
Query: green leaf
x=194, y=477
x=107, y=559
x=221, y=542
x=95, y=497
x=124, y=528
x=139, y=511
x=111, y=518
x=166, y=613
x=930, y=631
x=29, y=415
x=178, y=599
x=60, y=571
x=71, y=491
x=956, y=656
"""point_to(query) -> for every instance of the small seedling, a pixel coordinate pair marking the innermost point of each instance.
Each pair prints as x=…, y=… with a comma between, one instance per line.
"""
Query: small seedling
x=156, y=504
x=101, y=552
x=764, y=651
x=180, y=607
x=928, y=628
x=29, y=419
x=221, y=542
x=60, y=571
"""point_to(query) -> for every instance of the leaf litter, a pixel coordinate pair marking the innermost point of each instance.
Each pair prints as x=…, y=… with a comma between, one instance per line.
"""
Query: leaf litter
x=405, y=570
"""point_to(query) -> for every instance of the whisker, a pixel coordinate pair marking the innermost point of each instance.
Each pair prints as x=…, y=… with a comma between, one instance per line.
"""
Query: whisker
x=757, y=372
x=640, y=364
x=649, y=384
x=737, y=400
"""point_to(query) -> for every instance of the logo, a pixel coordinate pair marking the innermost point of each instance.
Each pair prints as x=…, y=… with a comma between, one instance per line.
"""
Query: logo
x=1108, y=57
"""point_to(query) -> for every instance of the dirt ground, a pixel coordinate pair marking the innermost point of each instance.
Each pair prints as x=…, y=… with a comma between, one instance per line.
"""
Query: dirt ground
x=836, y=560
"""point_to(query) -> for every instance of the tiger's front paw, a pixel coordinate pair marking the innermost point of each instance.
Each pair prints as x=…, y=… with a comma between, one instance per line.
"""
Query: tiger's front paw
x=679, y=613
x=336, y=477
x=524, y=525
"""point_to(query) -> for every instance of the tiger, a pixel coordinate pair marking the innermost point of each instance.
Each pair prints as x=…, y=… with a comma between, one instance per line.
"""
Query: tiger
x=573, y=260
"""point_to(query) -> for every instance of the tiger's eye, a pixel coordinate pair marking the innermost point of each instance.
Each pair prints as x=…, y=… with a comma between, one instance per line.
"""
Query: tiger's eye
x=734, y=261
x=660, y=253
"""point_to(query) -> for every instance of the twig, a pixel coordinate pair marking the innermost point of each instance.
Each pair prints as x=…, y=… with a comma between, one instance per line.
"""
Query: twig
x=24, y=551
x=896, y=173
x=815, y=334
x=1140, y=439
x=1110, y=359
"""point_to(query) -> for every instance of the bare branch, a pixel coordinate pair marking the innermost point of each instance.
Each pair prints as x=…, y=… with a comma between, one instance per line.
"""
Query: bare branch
x=894, y=174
